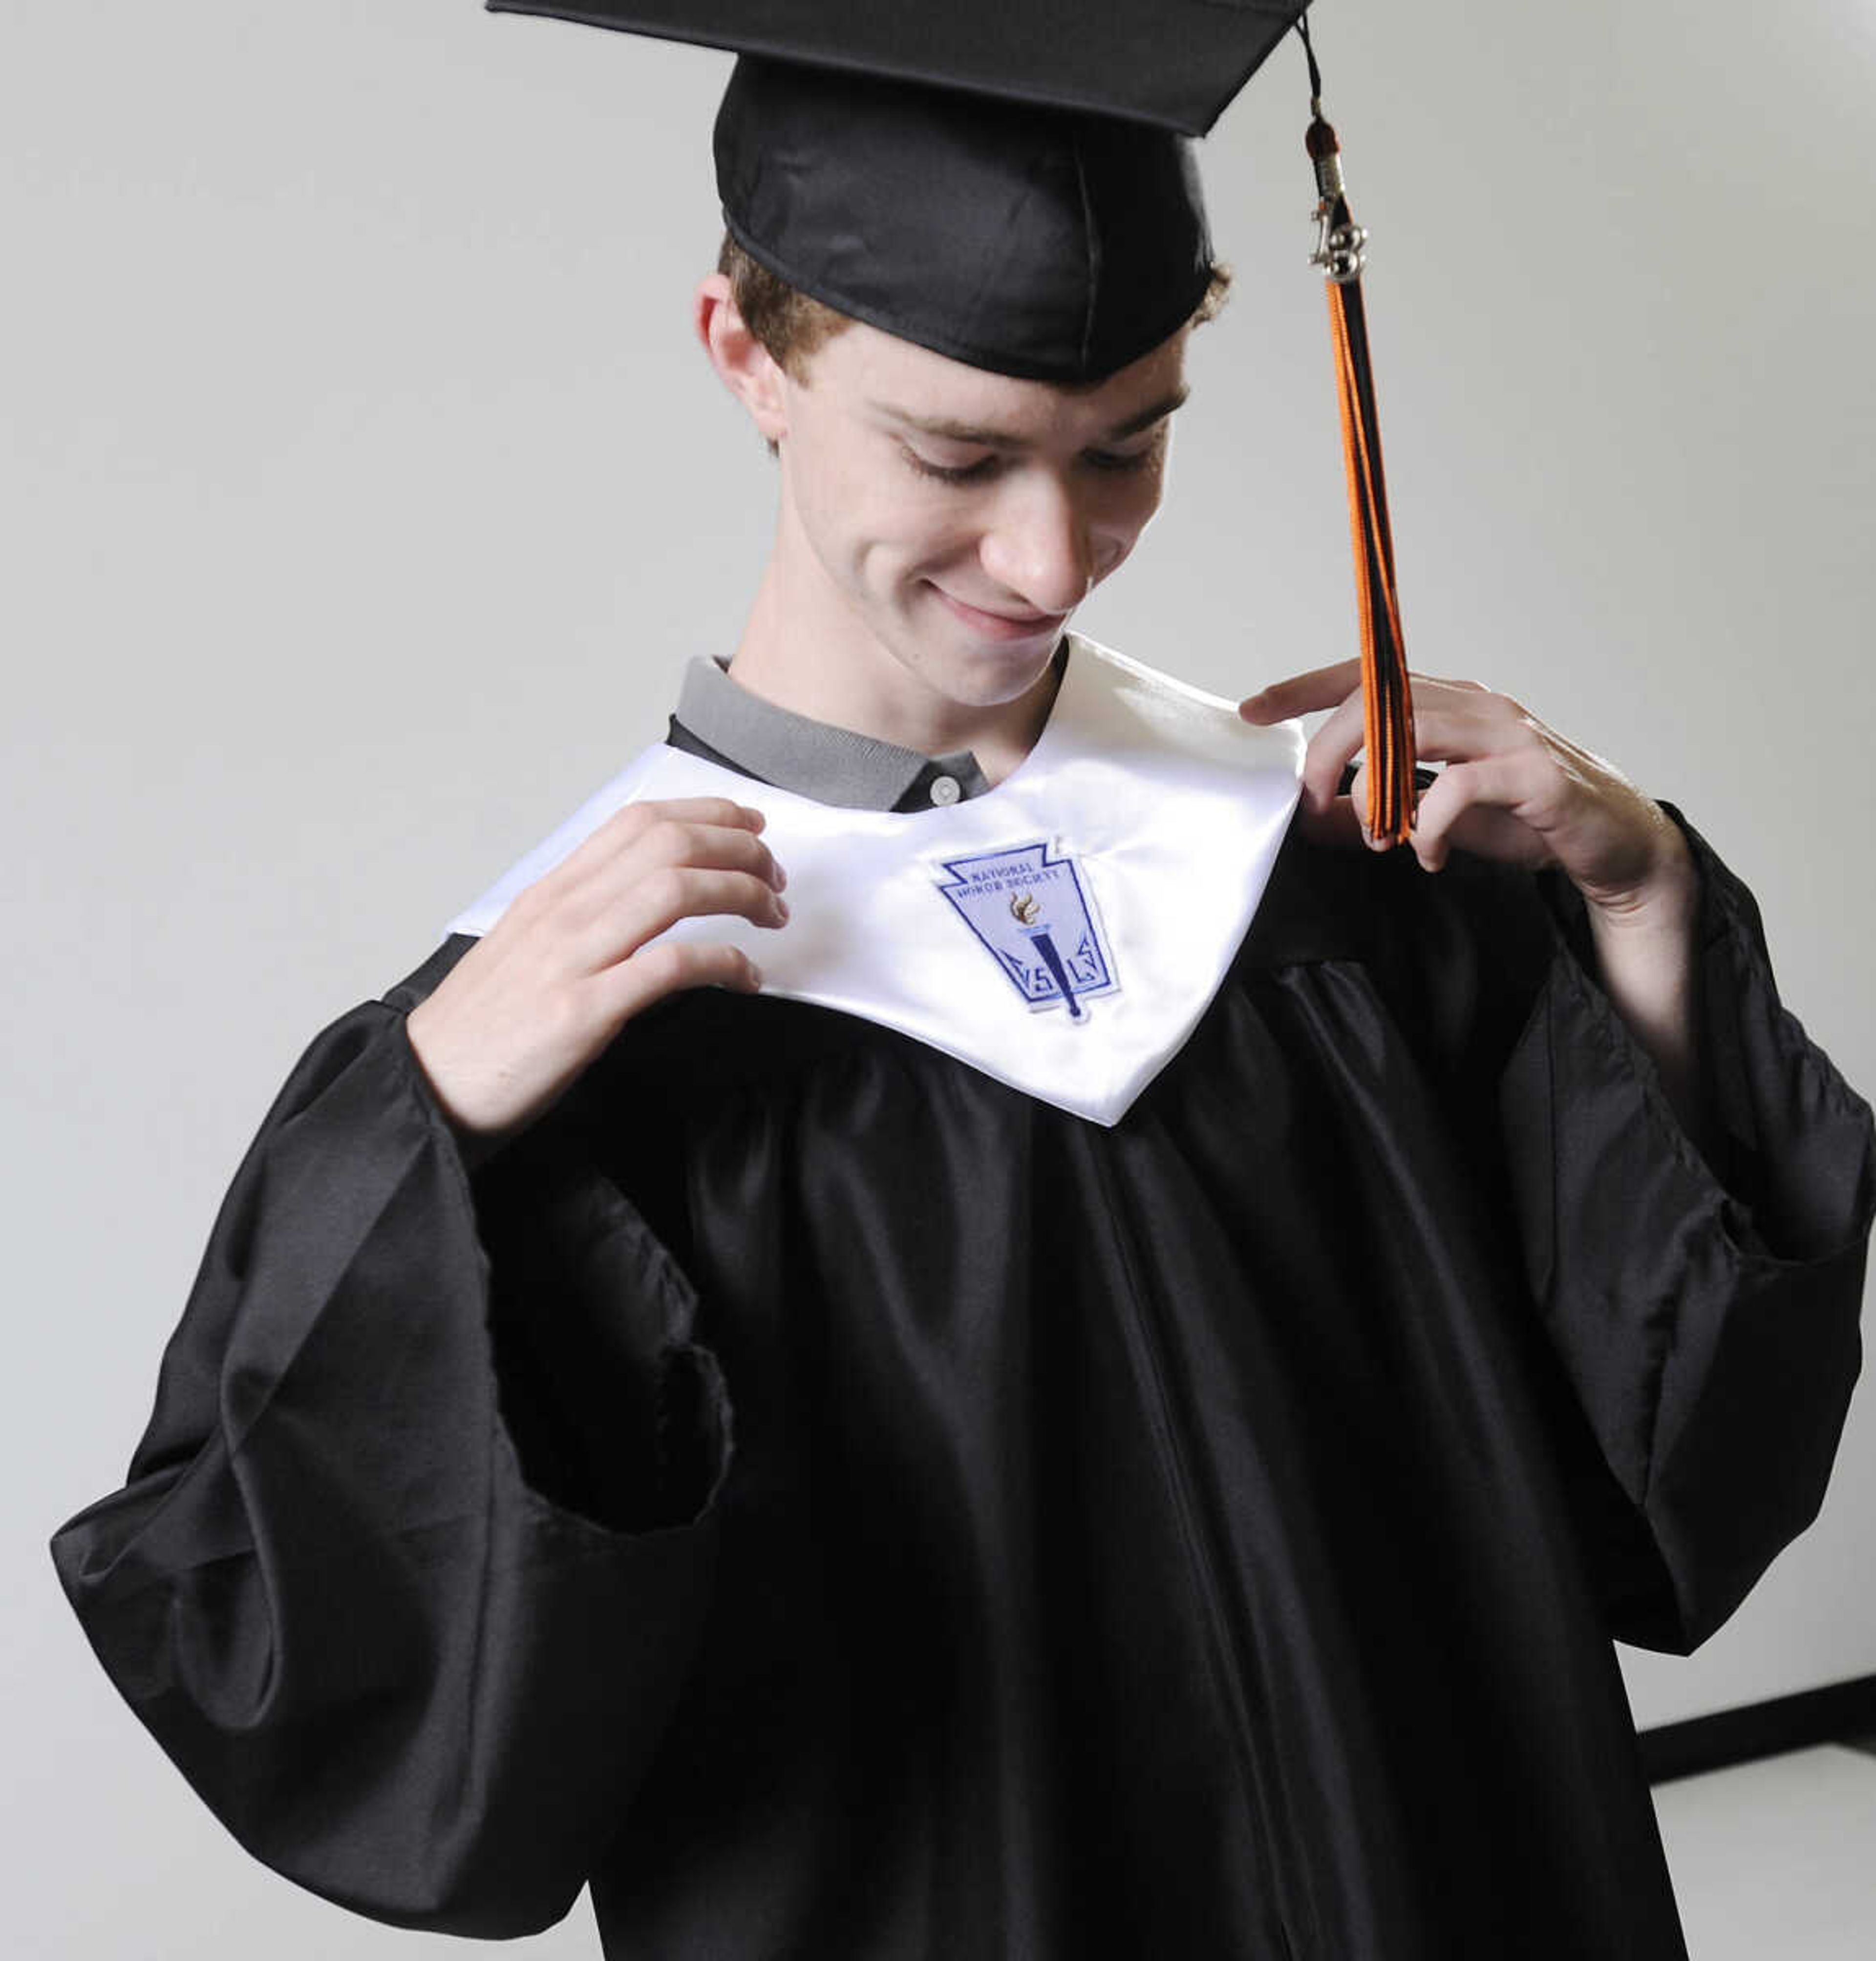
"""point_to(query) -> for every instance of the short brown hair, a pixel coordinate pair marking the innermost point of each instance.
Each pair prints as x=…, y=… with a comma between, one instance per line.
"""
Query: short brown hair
x=794, y=326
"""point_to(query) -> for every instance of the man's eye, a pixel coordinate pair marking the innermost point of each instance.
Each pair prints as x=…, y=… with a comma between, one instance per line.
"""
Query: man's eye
x=1107, y=460
x=969, y=472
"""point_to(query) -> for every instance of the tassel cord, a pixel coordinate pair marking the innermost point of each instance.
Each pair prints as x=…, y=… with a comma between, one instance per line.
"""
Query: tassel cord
x=1387, y=726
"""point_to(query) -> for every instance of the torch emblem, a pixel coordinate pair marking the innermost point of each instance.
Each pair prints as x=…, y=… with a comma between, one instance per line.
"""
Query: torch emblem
x=1029, y=910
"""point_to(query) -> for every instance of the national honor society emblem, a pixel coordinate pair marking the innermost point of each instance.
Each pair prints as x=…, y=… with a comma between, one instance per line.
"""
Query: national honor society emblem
x=1030, y=912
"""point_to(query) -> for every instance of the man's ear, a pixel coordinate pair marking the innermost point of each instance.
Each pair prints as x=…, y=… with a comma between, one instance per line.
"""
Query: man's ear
x=743, y=365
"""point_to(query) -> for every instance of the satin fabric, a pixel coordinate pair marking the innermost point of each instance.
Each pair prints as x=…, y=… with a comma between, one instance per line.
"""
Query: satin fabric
x=841, y=1506
x=1170, y=807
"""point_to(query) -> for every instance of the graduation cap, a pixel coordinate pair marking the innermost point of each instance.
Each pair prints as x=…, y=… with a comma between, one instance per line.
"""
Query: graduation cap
x=1009, y=183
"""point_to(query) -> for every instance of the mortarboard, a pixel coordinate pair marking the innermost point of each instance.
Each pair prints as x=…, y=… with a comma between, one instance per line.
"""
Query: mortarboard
x=1010, y=183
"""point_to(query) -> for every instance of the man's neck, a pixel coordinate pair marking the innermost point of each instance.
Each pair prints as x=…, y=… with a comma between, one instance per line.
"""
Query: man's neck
x=804, y=649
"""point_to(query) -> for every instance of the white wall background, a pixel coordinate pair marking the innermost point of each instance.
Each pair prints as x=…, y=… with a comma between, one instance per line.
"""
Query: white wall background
x=362, y=496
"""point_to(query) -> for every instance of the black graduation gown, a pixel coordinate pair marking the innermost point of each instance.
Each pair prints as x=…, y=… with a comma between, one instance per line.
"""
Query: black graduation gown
x=840, y=1507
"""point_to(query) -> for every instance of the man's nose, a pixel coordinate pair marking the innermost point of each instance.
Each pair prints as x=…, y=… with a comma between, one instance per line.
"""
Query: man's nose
x=1040, y=546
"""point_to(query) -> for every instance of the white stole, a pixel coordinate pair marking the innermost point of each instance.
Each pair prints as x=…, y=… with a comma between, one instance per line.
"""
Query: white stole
x=1062, y=931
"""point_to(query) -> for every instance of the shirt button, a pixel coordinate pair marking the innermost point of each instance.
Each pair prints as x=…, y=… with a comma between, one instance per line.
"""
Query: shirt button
x=946, y=789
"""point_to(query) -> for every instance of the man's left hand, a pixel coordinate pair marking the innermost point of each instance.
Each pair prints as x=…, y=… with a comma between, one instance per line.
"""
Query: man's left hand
x=1510, y=789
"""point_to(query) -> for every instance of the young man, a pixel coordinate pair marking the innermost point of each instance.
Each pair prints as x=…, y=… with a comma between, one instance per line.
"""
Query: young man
x=1114, y=1402
x=938, y=524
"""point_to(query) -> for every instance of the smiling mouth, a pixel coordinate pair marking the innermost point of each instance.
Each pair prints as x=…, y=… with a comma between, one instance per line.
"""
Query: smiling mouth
x=1011, y=625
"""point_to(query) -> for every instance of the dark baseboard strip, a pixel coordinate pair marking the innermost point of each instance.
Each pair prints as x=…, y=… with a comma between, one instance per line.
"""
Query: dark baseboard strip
x=1844, y=1712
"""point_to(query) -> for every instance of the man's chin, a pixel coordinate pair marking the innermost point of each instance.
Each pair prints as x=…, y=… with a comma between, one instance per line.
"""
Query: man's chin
x=996, y=677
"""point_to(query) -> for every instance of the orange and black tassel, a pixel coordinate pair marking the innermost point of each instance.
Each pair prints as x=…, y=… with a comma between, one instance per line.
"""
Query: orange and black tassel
x=1388, y=706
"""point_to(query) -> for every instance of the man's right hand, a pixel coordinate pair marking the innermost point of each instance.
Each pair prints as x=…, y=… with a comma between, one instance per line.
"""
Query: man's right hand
x=524, y=1011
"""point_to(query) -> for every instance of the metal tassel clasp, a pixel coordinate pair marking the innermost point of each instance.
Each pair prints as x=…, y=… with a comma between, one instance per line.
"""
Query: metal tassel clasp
x=1339, y=248
x=1339, y=240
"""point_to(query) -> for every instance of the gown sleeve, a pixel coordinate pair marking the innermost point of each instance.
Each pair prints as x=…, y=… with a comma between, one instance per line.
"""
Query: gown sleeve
x=1705, y=1306
x=413, y=1640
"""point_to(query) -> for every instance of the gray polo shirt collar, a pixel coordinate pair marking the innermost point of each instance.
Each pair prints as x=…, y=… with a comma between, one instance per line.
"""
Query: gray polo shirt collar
x=815, y=759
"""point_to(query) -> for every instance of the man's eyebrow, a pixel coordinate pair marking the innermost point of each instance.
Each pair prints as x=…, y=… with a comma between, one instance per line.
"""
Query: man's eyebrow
x=992, y=438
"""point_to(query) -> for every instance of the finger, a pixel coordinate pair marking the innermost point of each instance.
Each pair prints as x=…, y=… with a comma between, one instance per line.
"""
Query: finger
x=704, y=810
x=1451, y=725
x=594, y=906
x=1358, y=803
x=632, y=821
x=669, y=968
x=657, y=902
x=1302, y=694
x=674, y=840
x=1451, y=717
x=1472, y=802
x=1452, y=721
x=1330, y=751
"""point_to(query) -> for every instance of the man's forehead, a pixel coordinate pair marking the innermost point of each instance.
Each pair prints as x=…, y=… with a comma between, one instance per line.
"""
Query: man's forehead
x=896, y=381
